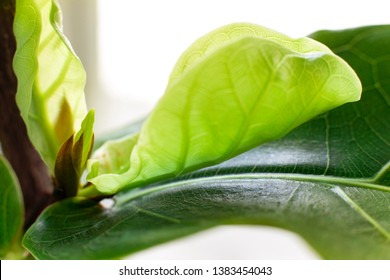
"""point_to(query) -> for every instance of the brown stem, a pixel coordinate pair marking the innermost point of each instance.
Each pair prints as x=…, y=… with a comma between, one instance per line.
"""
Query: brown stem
x=36, y=184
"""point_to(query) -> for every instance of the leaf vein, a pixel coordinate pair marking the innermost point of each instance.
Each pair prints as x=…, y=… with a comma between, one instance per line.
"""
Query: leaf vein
x=344, y=196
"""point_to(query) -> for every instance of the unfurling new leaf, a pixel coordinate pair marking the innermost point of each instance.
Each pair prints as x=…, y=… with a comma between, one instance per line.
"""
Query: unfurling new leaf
x=236, y=88
x=51, y=78
x=72, y=158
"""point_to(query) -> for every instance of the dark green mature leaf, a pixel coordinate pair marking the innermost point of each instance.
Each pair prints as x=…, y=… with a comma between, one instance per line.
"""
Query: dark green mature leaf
x=133, y=224
x=328, y=181
x=11, y=209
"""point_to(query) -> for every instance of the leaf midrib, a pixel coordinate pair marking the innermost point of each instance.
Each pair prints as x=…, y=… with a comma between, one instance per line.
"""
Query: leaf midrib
x=327, y=181
x=369, y=183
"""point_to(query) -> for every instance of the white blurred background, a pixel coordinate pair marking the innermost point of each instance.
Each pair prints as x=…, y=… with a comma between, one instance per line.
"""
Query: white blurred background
x=129, y=48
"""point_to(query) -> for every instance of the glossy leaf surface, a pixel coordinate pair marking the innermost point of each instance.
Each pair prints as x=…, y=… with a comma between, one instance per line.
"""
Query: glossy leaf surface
x=238, y=87
x=328, y=181
x=11, y=212
x=50, y=78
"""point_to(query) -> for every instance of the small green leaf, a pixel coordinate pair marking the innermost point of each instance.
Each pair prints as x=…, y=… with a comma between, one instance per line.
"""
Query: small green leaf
x=50, y=76
x=11, y=209
x=72, y=158
x=84, y=140
x=113, y=156
x=66, y=174
x=238, y=87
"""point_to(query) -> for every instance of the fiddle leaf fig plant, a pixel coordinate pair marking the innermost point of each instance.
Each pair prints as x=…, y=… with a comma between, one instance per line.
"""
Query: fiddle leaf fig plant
x=232, y=90
x=253, y=127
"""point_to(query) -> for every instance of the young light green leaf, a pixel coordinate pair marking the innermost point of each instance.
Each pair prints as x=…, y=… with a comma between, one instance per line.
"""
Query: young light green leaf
x=50, y=76
x=11, y=209
x=83, y=140
x=240, y=86
x=113, y=156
